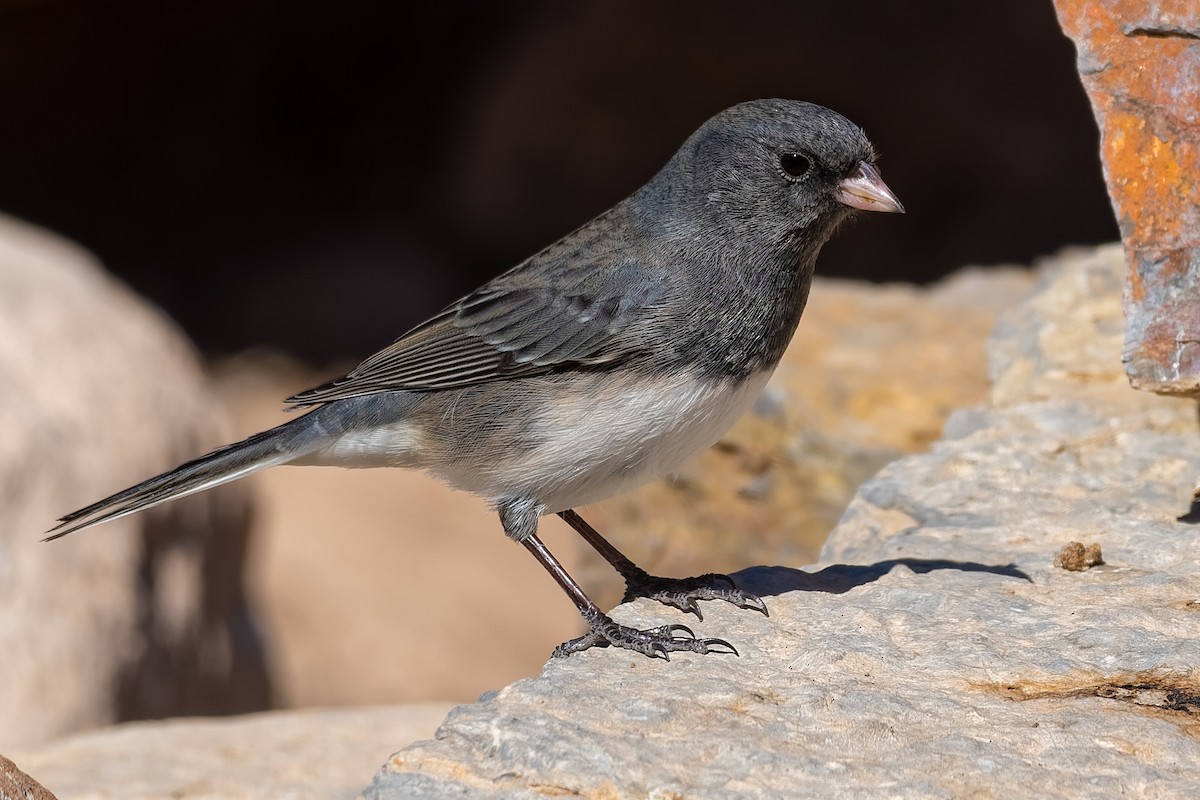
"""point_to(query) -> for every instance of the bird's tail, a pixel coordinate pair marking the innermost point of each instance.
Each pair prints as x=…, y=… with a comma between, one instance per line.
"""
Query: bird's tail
x=280, y=445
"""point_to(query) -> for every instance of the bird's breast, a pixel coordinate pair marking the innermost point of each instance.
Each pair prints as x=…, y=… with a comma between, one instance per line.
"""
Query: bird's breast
x=604, y=435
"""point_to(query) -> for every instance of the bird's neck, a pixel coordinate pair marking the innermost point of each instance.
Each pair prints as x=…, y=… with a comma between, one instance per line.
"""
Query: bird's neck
x=748, y=301
x=746, y=287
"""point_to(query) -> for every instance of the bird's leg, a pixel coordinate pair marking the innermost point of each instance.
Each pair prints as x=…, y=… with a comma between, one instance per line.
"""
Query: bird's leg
x=682, y=593
x=602, y=630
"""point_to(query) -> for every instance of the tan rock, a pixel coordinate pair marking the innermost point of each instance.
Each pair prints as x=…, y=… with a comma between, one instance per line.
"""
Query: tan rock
x=304, y=755
x=1067, y=341
x=145, y=616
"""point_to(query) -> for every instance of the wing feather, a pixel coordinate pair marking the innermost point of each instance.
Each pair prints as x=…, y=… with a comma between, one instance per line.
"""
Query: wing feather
x=529, y=321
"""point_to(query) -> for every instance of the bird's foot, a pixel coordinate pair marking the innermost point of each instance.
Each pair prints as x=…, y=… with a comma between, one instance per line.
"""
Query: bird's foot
x=653, y=642
x=682, y=593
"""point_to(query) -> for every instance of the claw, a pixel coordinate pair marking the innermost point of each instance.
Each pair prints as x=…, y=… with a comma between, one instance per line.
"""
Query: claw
x=688, y=605
x=710, y=643
x=756, y=603
x=671, y=630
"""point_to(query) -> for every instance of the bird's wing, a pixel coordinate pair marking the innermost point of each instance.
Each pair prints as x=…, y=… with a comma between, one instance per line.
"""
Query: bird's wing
x=529, y=321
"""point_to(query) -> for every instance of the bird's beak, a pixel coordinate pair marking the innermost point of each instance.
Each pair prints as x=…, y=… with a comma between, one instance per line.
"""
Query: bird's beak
x=864, y=189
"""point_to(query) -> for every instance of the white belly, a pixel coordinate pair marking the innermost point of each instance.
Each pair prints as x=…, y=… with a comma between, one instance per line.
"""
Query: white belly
x=603, y=442
x=588, y=441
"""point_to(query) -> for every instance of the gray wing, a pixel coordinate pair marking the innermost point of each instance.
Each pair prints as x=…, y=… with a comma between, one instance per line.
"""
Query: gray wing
x=529, y=321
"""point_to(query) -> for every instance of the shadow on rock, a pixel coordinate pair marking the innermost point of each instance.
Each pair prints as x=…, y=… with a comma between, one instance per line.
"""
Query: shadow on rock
x=841, y=578
x=1193, y=514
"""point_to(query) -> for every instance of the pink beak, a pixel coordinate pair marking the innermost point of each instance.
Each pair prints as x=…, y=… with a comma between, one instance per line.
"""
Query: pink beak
x=864, y=189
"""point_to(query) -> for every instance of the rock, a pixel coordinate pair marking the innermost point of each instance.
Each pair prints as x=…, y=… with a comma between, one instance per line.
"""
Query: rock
x=1066, y=342
x=855, y=391
x=1140, y=64
x=299, y=755
x=145, y=617
x=1076, y=557
x=935, y=650
x=16, y=785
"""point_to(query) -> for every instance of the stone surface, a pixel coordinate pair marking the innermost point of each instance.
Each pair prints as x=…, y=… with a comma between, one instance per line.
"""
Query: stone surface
x=935, y=650
x=16, y=785
x=871, y=374
x=1140, y=64
x=145, y=616
x=1066, y=342
x=295, y=755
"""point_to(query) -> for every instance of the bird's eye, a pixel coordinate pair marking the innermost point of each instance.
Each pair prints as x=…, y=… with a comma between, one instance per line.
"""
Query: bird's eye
x=795, y=164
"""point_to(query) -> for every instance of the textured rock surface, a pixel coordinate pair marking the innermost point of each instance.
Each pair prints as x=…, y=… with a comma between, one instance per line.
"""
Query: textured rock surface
x=16, y=785
x=936, y=650
x=871, y=375
x=146, y=616
x=1140, y=64
x=295, y=755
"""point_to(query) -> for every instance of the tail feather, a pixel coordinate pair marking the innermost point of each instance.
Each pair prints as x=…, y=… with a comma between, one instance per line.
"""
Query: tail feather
x=267, y=449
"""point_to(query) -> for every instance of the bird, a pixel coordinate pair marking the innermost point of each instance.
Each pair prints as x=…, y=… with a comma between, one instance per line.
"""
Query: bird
x=604, y=361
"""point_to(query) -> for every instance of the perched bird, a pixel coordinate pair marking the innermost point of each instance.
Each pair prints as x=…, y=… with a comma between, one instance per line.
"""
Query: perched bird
x=602, y=362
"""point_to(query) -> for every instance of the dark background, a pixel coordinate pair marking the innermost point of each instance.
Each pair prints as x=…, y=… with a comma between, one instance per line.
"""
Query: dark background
x=320, y=176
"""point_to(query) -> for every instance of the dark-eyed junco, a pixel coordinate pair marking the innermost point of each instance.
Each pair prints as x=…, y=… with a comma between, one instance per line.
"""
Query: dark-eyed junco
x=601, y=362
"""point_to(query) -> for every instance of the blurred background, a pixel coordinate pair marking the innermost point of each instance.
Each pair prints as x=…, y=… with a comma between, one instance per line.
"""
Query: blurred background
x=310, y=179
x=318, y=178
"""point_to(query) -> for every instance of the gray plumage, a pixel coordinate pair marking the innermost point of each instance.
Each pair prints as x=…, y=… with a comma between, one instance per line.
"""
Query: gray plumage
x=604, y=360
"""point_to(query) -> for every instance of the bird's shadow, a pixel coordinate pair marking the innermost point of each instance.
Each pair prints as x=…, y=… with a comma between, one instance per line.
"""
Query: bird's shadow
x=1193, y=514
x=841, y=578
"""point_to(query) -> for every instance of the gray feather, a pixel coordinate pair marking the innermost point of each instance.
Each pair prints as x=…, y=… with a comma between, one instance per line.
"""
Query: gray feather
x=267, y=449
x=532, y=320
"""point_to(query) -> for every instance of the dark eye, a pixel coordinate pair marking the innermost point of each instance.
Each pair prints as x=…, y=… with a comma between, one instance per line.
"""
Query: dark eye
x=795, y=164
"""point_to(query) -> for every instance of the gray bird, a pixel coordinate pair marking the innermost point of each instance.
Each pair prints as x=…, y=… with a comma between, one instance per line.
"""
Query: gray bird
x=600, y=363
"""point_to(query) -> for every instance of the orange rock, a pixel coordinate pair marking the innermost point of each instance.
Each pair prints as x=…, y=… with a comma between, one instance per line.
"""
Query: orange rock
x=1140, y=64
